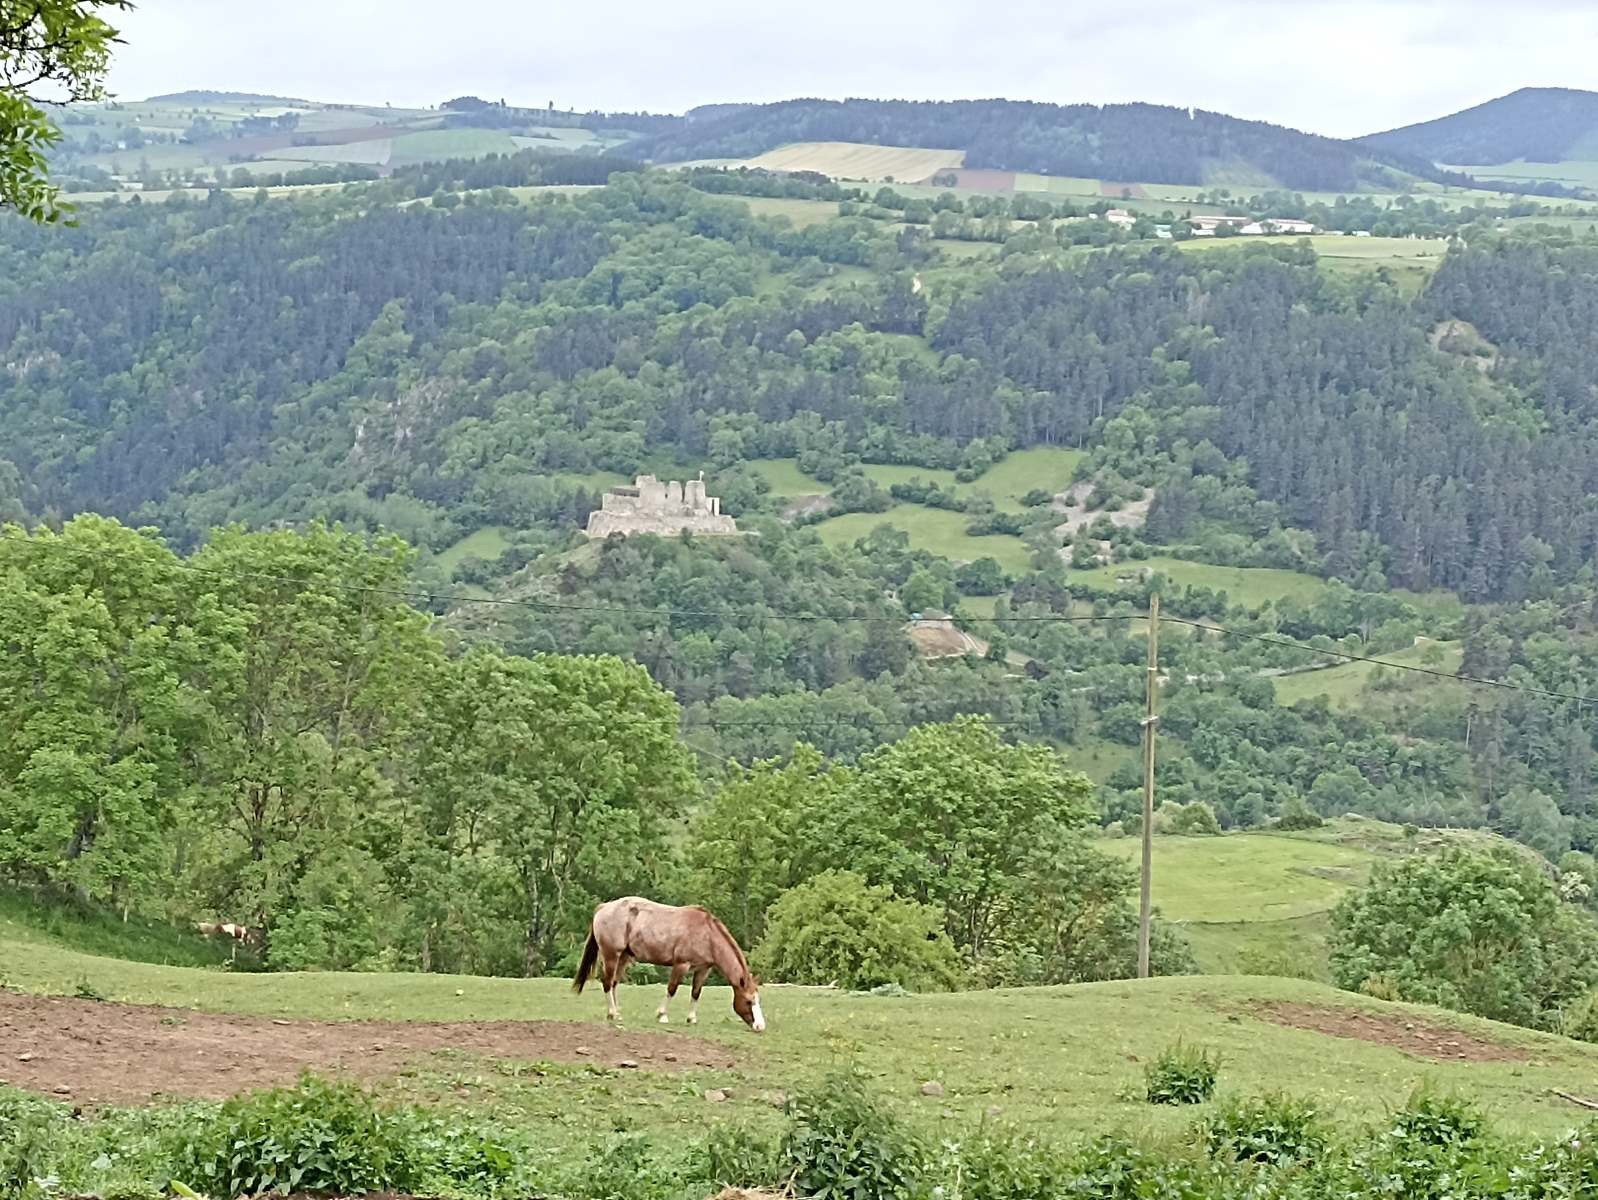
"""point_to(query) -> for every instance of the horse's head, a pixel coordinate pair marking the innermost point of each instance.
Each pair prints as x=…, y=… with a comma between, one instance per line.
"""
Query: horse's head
x=746, y=1003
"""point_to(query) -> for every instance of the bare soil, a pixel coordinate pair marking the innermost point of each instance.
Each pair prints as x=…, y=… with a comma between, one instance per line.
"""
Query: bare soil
x=1420, y=1039
x=1122, y=191
x=89, y=1052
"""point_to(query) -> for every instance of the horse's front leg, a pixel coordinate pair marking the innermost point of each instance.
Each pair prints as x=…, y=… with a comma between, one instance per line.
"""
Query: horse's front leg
x=677, y=972
x=699, y=985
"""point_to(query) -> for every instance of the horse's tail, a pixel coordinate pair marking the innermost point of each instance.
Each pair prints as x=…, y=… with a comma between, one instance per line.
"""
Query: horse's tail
x=586, y=967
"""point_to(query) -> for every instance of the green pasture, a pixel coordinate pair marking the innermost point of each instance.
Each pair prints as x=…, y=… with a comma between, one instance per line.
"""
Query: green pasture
x=934, y=530
x=487, y=543
x=800, y=212
x=1062, y=1060
x=1345, y=686
x=1249, y=586
x=435, y=145
x=1242, y=877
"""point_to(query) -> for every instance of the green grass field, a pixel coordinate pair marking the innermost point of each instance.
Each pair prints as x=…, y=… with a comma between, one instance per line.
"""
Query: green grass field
x=1345, y=686
x=1061, y=1060
x=800, y=212
x=1248, y=586
x=786, y=479
x=487, y=543
x=434, y=145
x=934, y=530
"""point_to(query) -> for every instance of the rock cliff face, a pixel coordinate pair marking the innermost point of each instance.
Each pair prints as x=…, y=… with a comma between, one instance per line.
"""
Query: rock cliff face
x=650, y=506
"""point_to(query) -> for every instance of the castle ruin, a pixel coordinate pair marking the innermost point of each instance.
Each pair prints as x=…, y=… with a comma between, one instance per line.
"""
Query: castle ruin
x=650, y=506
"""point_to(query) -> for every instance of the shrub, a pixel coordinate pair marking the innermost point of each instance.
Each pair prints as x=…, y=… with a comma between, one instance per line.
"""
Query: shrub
x=836, y=928
x=840, y=1145
x=337, y=1137
x=1580, y=1019
x=1268, y=1129
x=1298, y=815
x=1181, y=1075
x=738, y=1157
x=1435, y=1119
x=1009, y=1167
x=1195, y=818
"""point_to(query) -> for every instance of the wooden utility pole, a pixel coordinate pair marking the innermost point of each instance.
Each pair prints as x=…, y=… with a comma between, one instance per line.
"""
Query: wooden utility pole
x=1144, y=892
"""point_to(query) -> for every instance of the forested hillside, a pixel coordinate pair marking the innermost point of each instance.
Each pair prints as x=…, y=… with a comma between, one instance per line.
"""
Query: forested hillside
x=1145, y=142
x=1540, y=125
x=468, y=371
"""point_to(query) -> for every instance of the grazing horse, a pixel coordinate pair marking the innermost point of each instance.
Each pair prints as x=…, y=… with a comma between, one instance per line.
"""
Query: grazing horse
x=688, y=940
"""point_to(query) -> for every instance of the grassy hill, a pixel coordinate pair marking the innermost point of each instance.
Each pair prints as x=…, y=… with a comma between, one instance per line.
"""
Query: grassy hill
x=1259, y=902
x=200, y=133
x=1057, y=1059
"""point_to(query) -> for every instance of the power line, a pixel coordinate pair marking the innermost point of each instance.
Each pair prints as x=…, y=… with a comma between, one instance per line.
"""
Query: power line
x=542, y=605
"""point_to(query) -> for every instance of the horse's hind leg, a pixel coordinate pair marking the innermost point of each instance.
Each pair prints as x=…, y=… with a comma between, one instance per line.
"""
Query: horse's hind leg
x=612, y=966
x=677, y=972
x=699, y=985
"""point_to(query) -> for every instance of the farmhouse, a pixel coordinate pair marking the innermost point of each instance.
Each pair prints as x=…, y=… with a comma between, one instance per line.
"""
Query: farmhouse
x=1278, y=225
x=1119, y=216
x=1207, y=225
x=650, y=506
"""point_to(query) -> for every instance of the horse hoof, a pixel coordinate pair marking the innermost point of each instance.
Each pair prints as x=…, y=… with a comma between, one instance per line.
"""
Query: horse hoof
x=663, y=1018
x=693, y=1020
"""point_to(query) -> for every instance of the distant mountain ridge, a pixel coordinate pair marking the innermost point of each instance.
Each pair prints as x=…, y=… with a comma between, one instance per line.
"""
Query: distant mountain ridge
x=1533, y=124
x=204, y=96
x=1144, y=142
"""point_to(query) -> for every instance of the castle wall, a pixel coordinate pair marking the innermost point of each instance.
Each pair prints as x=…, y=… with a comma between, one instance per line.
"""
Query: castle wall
x=650, y=506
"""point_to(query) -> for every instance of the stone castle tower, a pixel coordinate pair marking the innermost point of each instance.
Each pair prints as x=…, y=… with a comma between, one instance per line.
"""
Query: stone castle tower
x=650, y=506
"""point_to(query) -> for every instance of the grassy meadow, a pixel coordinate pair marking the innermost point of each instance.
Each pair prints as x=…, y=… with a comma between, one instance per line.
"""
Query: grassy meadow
x=1248, y=586
x=1061, y=1060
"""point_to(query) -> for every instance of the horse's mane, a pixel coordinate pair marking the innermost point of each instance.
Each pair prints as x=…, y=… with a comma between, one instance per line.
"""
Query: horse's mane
x=732, y=942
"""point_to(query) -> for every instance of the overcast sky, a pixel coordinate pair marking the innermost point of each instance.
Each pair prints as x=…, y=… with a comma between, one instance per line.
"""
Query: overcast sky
x=1340, y=67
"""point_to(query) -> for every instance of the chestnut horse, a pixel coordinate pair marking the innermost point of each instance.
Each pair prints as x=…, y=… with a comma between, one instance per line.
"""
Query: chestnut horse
x=688, y=940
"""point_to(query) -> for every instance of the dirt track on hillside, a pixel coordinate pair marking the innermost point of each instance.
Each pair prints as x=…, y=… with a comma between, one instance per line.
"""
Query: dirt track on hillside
x=89, y=1052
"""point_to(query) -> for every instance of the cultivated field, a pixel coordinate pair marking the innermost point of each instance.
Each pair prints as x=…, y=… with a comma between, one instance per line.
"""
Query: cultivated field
x=857, y=160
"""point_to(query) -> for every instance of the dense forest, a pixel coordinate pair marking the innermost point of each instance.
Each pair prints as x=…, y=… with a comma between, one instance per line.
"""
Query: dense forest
x=1146, y=142
x=462, y=361
x=1543, y=125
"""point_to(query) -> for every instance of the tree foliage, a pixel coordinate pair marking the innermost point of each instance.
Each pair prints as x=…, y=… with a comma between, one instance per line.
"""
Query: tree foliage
x=56, y=50
x=1483, y=932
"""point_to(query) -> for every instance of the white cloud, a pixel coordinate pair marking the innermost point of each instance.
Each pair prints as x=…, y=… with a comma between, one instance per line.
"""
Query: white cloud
x=1340, y=67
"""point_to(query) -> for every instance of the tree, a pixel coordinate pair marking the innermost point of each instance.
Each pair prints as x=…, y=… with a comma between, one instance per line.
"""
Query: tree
x=1483, y=932
x=751, y=841
x=97, y=706
x=314, y=671
x=953, y=817
x=64, y=48
x=835, y=928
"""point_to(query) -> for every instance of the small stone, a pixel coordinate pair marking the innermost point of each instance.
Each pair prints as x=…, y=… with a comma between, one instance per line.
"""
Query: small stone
x=280, y=1021
x=62, y=1091
x=25, y=1057
x=630, y=1064
x=669, y=1057
x=777, y=1099
x=460, y=991
x=583, y=1050
x=715, y=1095
x=994, y=1110
x=932, y=1088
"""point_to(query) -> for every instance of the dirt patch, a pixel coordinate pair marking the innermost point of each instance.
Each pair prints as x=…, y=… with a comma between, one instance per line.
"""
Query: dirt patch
x=939, y=638
x=98, y=1053
x=1420, y=1039
x=1123, y=191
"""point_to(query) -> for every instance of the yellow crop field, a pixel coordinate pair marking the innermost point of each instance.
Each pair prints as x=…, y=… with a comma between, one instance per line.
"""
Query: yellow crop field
x=857, y=160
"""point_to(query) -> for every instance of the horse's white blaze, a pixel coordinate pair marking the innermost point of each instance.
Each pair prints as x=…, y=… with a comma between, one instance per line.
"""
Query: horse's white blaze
x=760, y=1017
